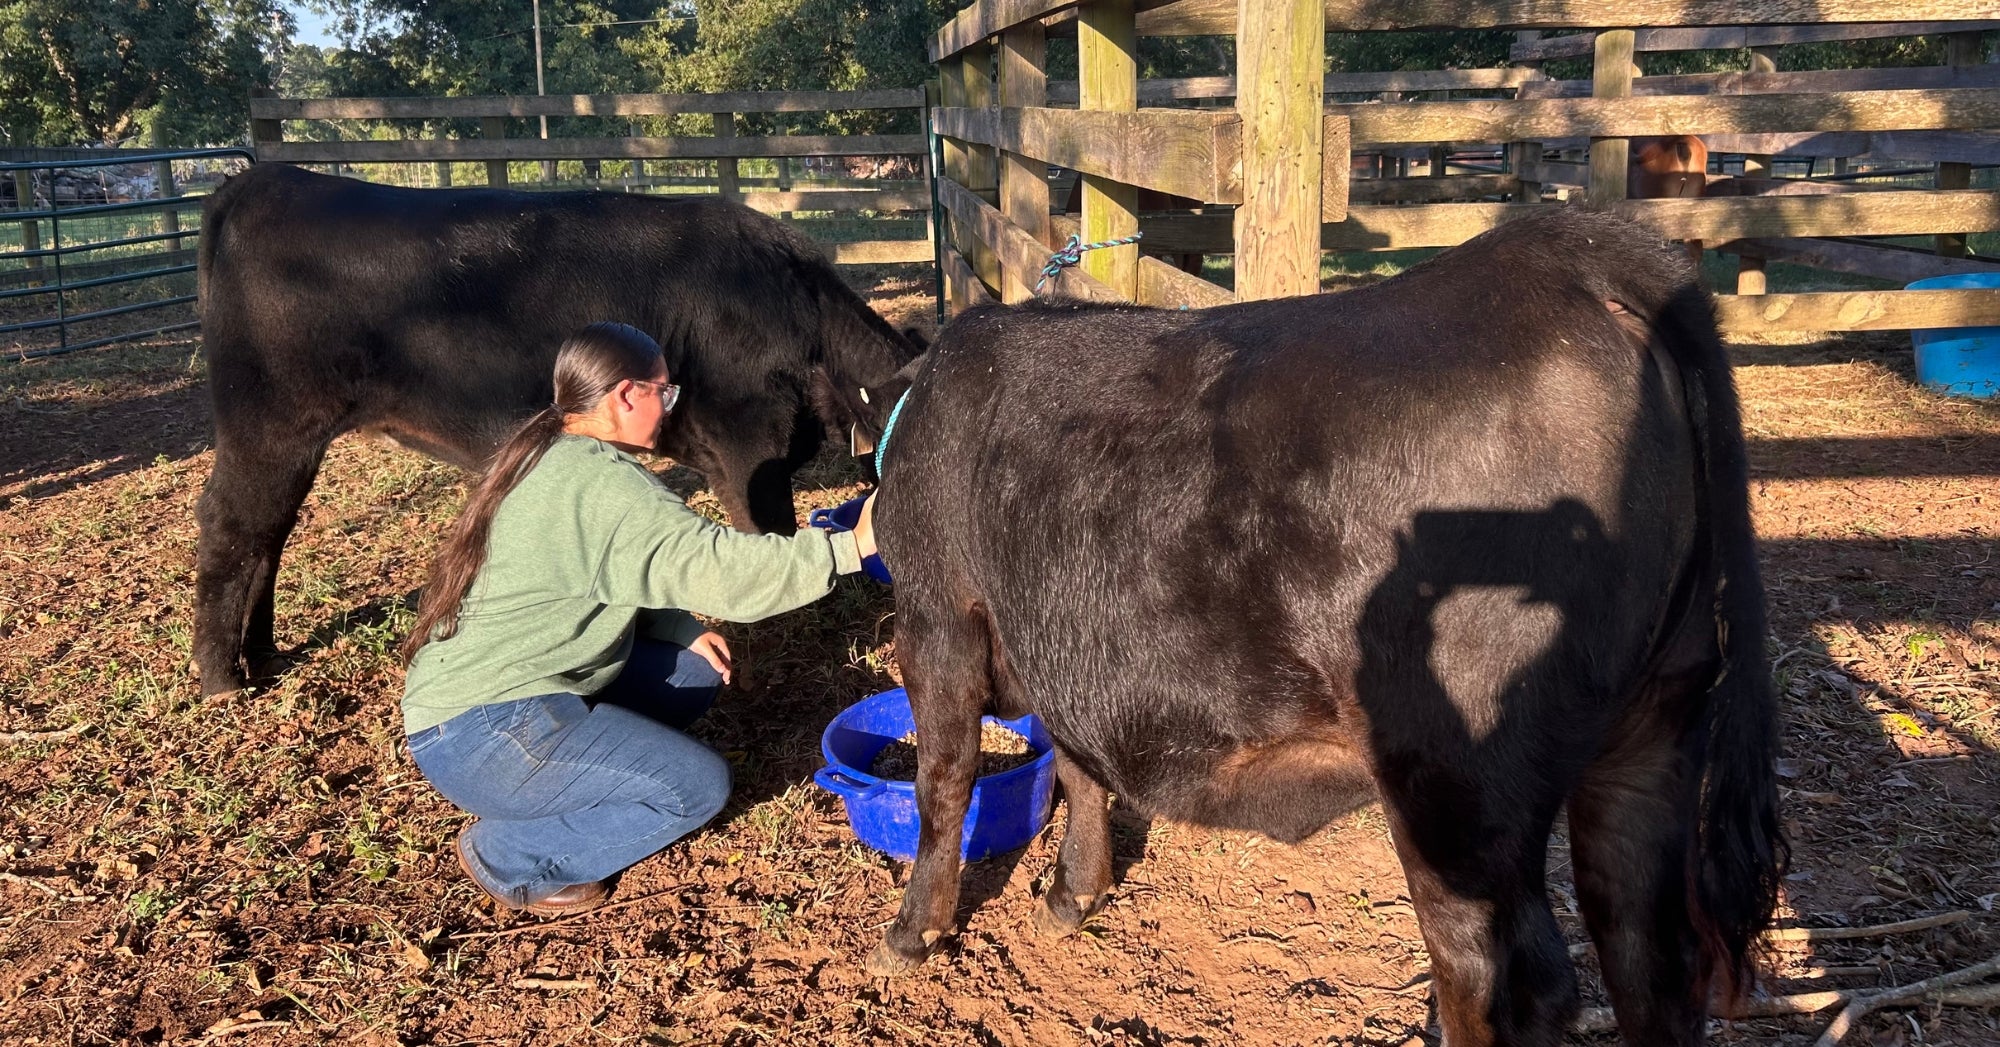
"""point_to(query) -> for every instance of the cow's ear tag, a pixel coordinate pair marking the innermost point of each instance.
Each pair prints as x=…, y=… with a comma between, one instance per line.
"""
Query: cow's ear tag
x=857, y=444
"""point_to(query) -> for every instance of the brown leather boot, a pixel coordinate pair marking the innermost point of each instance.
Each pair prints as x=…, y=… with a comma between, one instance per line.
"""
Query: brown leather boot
x=573, y=899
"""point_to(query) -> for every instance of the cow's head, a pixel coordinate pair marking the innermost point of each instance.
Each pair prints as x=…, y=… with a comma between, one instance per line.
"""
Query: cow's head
x=862, y=408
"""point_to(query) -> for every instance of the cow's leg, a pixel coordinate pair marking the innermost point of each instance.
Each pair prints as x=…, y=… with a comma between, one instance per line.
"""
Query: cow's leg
x=1629, y=822
x=1474, y=863
x=1083, y=867
x=946, y=669
x=754, y=463
x=246, y=512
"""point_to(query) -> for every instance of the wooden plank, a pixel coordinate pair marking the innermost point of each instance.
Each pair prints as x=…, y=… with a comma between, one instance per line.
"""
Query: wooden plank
x=964, y=289
x=837, y=200
x=1016, y=248
x=1336, y=168
x=1107, y=57
x=591, y=149
x=1558, y=172
x=1024, y=183
x=580, y=105
x=1749, y=186
x=1280, y=53
x=1857, y=311
x=1185, y=152
x=1165, y=286
x=1972, y=147
x=1908, y=213
x=1156, y=92
x=1427, y=190
x=265, y=131
x=1919, y=78
x=986, y=18
x=1732, y=38
x=1611, y=77
x=1493, y=121
x=882, y=252
x=1218, y=17
x=1886, y=263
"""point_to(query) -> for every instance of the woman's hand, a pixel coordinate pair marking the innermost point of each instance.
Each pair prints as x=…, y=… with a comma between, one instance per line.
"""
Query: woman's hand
x=715, y=650
x=864, y=529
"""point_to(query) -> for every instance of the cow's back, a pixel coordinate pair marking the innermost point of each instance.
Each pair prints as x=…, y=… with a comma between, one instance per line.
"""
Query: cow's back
x=436, y=314
x=1185, y=525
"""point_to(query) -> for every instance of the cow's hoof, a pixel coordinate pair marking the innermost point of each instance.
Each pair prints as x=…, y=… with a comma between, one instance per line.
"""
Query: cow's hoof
x=886, y=962
x=1051, y=924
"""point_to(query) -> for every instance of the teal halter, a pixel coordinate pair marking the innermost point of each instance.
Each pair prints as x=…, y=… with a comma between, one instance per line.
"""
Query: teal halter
x=882, y=445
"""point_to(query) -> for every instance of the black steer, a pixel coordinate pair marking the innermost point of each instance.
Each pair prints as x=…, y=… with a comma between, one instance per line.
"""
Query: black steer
x=433, y=317
x=1474, y=541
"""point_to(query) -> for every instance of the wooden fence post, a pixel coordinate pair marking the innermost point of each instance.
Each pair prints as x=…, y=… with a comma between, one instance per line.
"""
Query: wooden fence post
x=1750, y=278
x=725, y=167
x=1024, y=180
x=1280, y=86
x=494, y=129
x=982, y=166
x=1107, y=52
x=957, y=168
x=1961, y=49
x=31, y=230
x=265, y=132
x=1610, y=77
x=1521, y=154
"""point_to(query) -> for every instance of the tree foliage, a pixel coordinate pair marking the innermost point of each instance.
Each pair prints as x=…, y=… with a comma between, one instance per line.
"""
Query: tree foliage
x=106, y=71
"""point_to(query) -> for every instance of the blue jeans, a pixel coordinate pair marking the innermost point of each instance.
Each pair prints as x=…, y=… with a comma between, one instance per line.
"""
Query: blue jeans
x=570, y=790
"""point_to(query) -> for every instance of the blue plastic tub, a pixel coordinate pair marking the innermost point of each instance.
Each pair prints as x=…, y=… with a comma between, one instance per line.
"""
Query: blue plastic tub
x=843, y=517
x=1007, y=809
x=1959, y=361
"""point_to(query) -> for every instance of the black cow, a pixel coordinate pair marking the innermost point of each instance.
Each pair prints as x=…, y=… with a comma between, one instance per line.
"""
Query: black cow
x=1474, y=541
x=433, y=316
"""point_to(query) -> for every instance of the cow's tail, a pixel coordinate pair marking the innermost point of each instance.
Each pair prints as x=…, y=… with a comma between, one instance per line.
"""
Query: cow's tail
x=214, y=219
x=1738, y=851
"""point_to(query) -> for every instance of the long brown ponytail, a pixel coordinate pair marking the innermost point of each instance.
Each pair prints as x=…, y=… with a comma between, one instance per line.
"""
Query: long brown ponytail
x=589, y=365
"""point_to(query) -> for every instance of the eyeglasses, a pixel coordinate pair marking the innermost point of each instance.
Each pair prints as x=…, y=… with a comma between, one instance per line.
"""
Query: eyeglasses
x=669, y=394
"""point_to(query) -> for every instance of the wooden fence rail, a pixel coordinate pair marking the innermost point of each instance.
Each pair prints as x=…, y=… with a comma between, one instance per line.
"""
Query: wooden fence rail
x=724, y=146
x=1282, y=155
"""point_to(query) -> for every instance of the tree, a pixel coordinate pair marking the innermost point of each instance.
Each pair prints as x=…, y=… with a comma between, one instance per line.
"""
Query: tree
x=804, y=45
x=103, y=71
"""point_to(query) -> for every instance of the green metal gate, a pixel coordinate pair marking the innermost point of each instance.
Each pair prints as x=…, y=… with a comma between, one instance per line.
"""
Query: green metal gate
x=50, y=286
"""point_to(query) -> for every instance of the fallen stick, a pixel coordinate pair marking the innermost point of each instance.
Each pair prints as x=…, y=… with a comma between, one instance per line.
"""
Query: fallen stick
x=1860, y=1005
x=1948, y=989
x=10, y=737
x=7, y=877
x=553, y=983
x=1828, y=934
x=1600, y=1019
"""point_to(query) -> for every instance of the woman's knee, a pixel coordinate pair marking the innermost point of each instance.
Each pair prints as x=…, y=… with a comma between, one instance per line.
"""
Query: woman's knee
x=702, y=782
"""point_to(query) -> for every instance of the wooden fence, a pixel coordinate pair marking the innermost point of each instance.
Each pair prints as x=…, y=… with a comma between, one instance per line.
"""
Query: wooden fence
x=497, y=117
x=1279, y=161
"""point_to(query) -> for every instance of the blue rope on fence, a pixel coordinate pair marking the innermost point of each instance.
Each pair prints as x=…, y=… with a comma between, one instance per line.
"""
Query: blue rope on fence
x=1072, y=253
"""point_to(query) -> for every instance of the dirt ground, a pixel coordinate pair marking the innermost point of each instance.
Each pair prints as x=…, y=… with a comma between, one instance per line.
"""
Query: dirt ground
x=267, y=867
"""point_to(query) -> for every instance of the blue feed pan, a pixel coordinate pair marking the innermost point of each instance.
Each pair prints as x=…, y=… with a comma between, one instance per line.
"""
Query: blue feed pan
x=1007, y=809
x=1959, y=361
x=843, y=517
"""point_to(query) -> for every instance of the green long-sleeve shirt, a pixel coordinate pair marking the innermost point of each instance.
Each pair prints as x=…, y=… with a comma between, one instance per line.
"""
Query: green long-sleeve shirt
x=586, y=550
